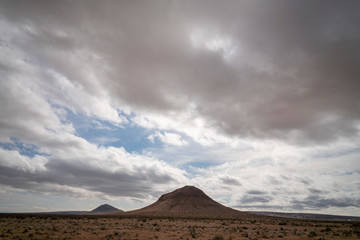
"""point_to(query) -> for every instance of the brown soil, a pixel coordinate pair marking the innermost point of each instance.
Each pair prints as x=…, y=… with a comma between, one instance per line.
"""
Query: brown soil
x=110, y=227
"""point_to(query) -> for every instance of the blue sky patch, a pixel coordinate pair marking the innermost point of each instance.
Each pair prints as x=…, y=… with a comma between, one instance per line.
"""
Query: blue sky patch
x=129, y=136
x=25, y=149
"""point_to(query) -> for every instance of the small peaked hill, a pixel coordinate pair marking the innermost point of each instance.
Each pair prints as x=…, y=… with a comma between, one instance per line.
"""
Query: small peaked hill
x=105, y=208
x=190, y=202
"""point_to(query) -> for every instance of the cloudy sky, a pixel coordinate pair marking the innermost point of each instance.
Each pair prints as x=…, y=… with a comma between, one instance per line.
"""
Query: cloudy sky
x=255, y=102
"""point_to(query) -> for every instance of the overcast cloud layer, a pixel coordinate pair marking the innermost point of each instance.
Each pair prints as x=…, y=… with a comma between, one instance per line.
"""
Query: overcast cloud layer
x=255, y=102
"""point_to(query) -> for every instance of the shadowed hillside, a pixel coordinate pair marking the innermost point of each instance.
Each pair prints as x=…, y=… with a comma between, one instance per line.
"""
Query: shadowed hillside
x=105, y=209
x=188, y=201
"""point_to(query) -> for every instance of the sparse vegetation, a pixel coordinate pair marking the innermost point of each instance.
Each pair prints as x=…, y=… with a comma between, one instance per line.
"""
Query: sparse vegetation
x=192, y=232
x=218, y=238
x=22, y=226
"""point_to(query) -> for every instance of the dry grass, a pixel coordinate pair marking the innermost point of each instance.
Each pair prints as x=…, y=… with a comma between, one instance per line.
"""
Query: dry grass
x=113, y=227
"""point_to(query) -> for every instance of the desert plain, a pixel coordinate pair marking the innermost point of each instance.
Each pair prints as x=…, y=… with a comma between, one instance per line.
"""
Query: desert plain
x=34, y=226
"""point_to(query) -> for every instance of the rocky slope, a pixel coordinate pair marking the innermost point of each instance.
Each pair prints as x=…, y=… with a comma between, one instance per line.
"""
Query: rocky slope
x=188, y=201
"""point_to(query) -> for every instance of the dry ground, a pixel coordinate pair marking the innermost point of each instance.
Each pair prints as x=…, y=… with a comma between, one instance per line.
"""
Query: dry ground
x=106, y=227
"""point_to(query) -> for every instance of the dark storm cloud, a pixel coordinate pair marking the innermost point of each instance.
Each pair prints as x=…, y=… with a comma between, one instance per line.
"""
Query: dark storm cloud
x=118, y=183
x=294, y=73
x=89, y=178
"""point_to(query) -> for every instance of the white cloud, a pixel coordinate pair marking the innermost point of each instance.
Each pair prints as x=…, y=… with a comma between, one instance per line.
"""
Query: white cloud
x=204, y=39
x=59, y=162
x=169, y=138
x=185, y=122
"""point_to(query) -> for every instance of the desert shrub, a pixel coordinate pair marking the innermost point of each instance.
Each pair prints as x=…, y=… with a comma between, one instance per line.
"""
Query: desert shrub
x=355, y=225
x=312, y=234
x=247, y=234
x=356, y=228
x=192, y=231
x=217, y=238
x=347, y=233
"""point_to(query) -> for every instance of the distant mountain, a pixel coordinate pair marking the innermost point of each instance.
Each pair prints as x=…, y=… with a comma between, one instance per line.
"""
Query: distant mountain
x=63, y=212
x=310, y=216
x=105, y=209
x=188, y=201
x=102, y=209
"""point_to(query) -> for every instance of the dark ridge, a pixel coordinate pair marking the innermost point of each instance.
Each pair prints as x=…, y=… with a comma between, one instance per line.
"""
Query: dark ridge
x=105, y=208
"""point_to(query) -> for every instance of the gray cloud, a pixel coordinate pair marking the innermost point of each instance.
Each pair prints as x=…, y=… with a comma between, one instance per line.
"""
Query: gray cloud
x=255, y=199
x=230, y=181
x=119, y=183
x=311, y=202
x=255, y=192
x=316, y=191
x=293, y=73
x=258, y=206
x=76, y=179
x=318, y=202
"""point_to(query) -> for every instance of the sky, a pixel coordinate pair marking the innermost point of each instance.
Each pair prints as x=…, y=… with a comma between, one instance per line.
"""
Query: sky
x=255, y=102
